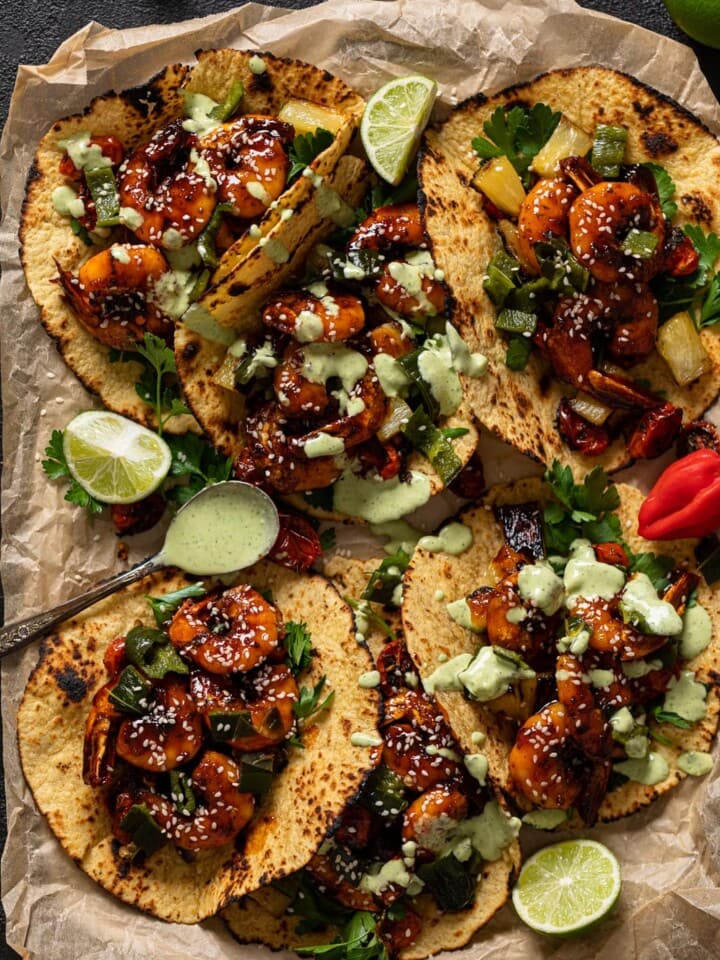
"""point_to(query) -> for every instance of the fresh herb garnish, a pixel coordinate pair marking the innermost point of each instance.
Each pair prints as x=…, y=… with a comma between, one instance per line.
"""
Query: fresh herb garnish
x=701, y=291
x=359, y=941
x=580, y=510
x=158, y=384
x=518, y=134
x=194, y=458
x=327, y=539
x=298, y=644
x=386, y=578
x=164, y=607
x=653, y=565
x=452, y=433
x=80, y=231
x=56, y=468
x=304, y=148
x=372, y=617
x=665, y=187
x=309, y=701
x=669, y=716
x=707, y=554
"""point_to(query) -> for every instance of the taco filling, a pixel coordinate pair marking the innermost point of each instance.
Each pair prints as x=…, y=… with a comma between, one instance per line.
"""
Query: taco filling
x=411, y=855
x=583, y=653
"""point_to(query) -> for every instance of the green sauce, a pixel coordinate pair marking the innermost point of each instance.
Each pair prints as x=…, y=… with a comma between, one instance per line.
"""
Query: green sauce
x=198, y=108
x=445, y=677
x=67, y=203
x=460, y=613
x=540, y=585
x=228, y=528
x=323, y=445
x=369, y=679
x=641, y=606
x=400, y=533
x=649, y=770
x=585, y=577
x=84, y=155
x=696, y=632
x=379, y=501
x=491, y=672
x=545, y=819
x=324, y=360
x=476, y=765
x=622, y=721
x=686, y=697
x=392, y=377
x=491, y=832
x=695, y=762
x=454, y=538
x=359, y=739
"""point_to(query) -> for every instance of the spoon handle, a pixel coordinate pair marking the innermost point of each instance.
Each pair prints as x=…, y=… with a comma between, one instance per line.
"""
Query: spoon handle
x=13, y=636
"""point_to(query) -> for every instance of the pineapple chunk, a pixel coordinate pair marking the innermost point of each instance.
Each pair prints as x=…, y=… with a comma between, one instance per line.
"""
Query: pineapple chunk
x=591, y=410
x=680, y=346
x=224, y=376
x=306, y=116
x=500, y=183
x=567, y=140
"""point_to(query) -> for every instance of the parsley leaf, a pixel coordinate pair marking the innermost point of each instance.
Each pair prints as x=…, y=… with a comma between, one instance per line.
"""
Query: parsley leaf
x=665, y=187
x=708, y=247
x=309, y=704
x=580, y=510
x=158, y=384
x=364, y=608
x=384, y=580
x=164, y=607
x=668, y=716
x=710, y=310
x=359, y=941
x=56, y=468
x=304, y=148
x=196, y=459
x=655, y=566
x=518, y=134
x=298, y=644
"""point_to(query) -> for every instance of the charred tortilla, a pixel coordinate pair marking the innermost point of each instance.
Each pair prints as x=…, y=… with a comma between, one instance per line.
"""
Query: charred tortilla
x=430, y=633
x=133, y=117
x=290, y=822
x=520, y=406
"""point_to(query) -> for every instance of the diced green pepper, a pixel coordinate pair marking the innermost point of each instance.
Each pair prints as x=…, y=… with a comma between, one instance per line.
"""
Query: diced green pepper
x=200, y=285
x=640, y=243
x=529, y=296
x=385, y=793
x=208, y=238
x=257, y=771
x=516, y=321
x=223, y=111
x=150, y=650
x=181, y=792
x=143, y=828
x=103, y=189
x=131, y=693
x=420, y=386
x=608, y=151
x=452, y=882
x=383, y=581
x=559, y=266
x=518, y=353
x=500, y=278
x=424, y=436
x=230, y=725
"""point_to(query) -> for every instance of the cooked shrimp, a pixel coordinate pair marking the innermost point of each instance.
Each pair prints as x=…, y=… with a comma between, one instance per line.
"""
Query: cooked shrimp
x=600, y=220
x=227, y=633
x=567, y=344
x=418, y=743
x=266, y=696
x=298, y=396
x=218, y=818
x=356, y=428
x=248, y=160
x=163, y=186
x=390, y=338
x=422, y=295
x=634, y=311
x=306, y=317
x=543, y=215
x=397, y=224
x=610, y=634
x=431, y=816
x=113, y=295
x=323, y=870
x=99, y=743
x=167, y=735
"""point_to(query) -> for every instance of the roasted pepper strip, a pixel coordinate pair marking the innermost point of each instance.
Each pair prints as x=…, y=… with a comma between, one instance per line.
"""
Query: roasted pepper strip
x=428, y=439
x=685, y=501
x=103, y=189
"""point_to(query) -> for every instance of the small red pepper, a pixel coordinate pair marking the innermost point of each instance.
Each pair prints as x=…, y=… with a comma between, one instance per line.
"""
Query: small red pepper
x=685, y=501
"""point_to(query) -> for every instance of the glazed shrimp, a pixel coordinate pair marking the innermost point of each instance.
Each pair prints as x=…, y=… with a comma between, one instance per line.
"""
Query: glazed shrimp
x=296, y=395
x=99, y=744
x=543, y=215
x=418, y=744
x=397, y=224
x=633, y=311
x=219, y=817
x=161, y=184
x=408, y=301
x=248, y=160
x=167, y=735
x=610, y=634
x=306, y=317
x=113, y=295
x=227, y=633
x=324, y=872
x=600, y=220
x=266, y=696
x=390, y=338
x=356, y=428
x=431, y=816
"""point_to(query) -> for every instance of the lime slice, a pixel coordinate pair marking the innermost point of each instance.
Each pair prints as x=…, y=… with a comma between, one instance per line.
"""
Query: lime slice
x=114, y=459
x=567, y=887
x=393, y=122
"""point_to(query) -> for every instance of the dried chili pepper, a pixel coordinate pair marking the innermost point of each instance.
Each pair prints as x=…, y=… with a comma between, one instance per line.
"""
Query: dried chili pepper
x=132, y=518
x=297, y=546
x=685, y=501
x=698, y=435
x=655, y=432
x=578, y=434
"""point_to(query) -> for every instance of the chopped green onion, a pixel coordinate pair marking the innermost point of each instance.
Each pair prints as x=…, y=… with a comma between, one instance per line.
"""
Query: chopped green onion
x=640, y=243
x=80, y=231
x=230, y=725
x=143, y=828
x=223, y=111
x=516, y=321
x=256, y=772
x=181, y=792
x=130, y=694
x=200, y=285
x=103, y=189
x=150, y=650
x=608, y=152
x=422, y=433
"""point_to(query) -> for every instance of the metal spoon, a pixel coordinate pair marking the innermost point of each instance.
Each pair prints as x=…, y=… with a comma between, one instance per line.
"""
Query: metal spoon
x=235, y=499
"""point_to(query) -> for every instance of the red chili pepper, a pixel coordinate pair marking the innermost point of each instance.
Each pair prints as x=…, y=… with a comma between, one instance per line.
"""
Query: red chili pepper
x=685, y=501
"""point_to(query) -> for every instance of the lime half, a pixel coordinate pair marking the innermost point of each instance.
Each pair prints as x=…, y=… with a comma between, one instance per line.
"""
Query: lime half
x=567, y=887
x=393, y=122
x=700, y=19
x=114, y=459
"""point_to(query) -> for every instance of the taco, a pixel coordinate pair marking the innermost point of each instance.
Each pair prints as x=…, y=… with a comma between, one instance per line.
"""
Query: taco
x=179, y=817
x=574, y=275
x=346, y=393
x=138, y=206
x=587, y=656
x=420, y=859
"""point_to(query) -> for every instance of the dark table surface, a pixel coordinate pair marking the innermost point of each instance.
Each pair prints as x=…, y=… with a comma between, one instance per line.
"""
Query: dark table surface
x=32, y=29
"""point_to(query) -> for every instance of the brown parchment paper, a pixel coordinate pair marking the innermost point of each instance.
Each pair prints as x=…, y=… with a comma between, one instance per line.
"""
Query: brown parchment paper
x=670, y=854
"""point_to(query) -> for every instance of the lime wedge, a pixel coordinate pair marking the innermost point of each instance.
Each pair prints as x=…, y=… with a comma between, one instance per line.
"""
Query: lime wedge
x=114, y=459
x=567, y=887
x=393, y=122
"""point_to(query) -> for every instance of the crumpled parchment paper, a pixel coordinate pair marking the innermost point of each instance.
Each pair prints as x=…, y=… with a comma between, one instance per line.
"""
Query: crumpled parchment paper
x=670, y=853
